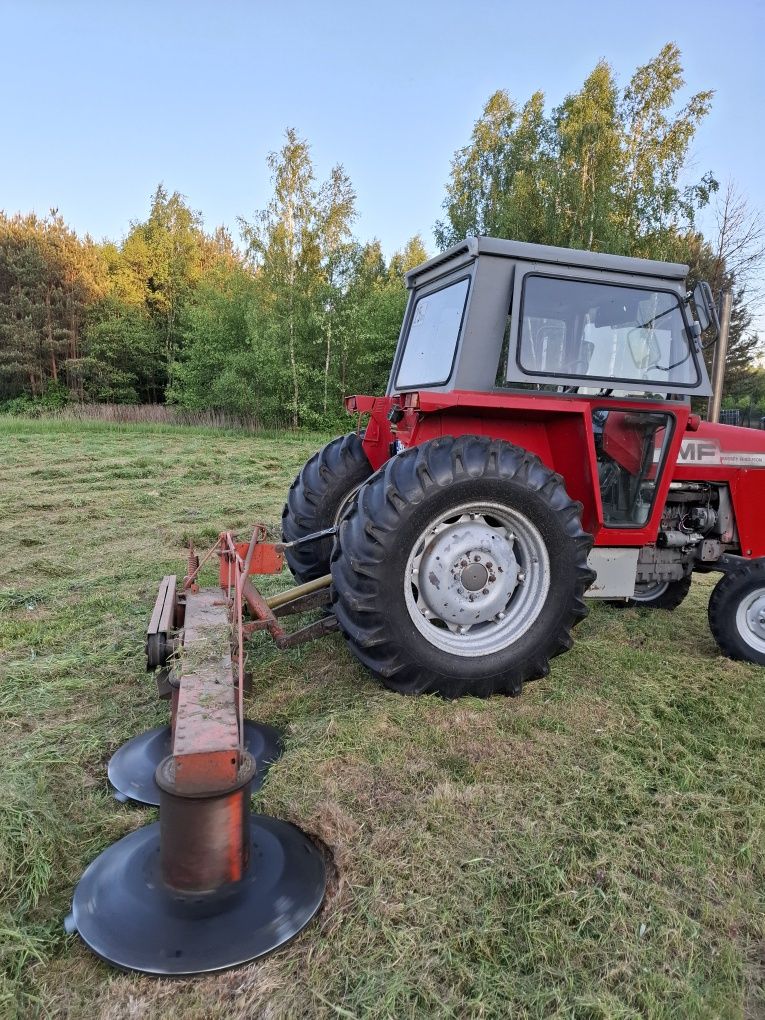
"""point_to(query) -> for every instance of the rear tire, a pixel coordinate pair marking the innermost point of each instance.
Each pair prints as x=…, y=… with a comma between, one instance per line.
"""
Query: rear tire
x=315, y=501
x=413, y=544
x=737, y=613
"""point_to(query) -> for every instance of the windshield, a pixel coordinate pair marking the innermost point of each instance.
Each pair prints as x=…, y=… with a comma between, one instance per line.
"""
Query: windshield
x=432, y=338
x=575, y=328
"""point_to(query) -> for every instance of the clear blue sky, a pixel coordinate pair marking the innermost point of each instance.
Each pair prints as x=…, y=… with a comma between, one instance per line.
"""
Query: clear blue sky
x=103, y=99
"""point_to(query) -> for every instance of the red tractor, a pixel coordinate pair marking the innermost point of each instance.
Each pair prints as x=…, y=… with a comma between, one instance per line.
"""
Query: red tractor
x=536, y=447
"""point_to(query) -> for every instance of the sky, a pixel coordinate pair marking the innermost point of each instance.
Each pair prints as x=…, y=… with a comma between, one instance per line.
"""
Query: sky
x=103, y=100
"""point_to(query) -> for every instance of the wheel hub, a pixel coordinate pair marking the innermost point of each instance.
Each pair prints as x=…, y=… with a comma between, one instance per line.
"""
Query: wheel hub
x=649, y=591
x=467, y=572
x=475, y=576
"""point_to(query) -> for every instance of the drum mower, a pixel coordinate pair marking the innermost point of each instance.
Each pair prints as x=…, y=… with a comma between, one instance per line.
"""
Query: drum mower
x=536, y=447
x=210, y=885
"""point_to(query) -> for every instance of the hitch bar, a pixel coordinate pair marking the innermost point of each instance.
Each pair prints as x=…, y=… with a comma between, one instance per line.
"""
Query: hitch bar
x=261, y=557
x=295, y=600
x=313, y=537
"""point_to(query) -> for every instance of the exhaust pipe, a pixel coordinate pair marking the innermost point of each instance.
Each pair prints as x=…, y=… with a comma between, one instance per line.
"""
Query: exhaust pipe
x=718, y=361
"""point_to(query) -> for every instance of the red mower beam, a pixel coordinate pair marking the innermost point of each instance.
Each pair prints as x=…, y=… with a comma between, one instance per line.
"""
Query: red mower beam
x=206, y=748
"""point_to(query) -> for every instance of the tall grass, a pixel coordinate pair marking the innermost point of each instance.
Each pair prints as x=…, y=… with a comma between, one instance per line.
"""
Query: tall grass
x=160, y=414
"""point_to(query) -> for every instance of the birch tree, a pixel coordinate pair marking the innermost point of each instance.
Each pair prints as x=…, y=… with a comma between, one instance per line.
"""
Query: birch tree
x=603, y=170
x=656, y=139
x=283, y=245
x=336, y=212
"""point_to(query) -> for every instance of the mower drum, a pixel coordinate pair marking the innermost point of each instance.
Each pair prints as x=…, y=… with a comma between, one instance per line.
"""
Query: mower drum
x=131, y=768
x=127, y=911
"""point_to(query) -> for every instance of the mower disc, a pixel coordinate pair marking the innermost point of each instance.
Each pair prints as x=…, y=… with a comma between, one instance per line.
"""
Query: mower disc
x=131, y=768
x=128, y=916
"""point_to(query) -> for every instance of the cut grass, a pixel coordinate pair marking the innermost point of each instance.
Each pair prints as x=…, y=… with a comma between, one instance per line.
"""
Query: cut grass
x=592, y=849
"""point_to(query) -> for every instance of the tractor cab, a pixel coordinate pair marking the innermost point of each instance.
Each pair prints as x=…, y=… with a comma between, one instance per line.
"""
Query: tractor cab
x=585, y=358
x=491, y=314
x=536, y=335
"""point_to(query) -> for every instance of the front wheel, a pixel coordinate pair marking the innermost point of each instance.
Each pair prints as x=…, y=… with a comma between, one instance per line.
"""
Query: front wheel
x=460, y=569
x=658, y=594
x=737, y=613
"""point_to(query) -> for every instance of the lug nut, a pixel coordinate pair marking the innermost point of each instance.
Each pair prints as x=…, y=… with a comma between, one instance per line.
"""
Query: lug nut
x=485, y=591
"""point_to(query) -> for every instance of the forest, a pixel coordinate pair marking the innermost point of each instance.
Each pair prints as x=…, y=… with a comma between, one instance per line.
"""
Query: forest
x=283, y=319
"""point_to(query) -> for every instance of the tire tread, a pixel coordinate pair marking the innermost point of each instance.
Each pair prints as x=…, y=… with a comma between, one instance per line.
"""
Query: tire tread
x=726, y=595
x=314, y=499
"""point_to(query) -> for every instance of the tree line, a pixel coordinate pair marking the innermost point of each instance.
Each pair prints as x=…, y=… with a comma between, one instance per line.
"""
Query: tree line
x=281, y=325
x=279, y=330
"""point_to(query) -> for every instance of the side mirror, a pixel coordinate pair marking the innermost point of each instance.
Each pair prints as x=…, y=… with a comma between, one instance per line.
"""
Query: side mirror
x=705, y=306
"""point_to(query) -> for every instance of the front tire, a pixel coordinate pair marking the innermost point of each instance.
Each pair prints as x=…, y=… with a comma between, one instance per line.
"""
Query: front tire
x=660, y=595
x=737, y=613
x=315, y=500
x=460, y=568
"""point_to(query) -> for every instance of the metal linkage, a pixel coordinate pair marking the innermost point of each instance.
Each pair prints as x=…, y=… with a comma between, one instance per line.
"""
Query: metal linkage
x=238, y=561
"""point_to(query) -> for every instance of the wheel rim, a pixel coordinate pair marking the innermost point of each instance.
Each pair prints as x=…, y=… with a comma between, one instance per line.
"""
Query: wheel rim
x=648, y=592
x=750, y=619
x=476, y=579
x=345, y=502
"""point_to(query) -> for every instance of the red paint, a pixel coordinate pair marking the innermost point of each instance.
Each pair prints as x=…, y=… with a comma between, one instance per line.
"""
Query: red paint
x=266, y=559
x=622, y=443
x=747, y=484
x=206, y=722
x=558, y=429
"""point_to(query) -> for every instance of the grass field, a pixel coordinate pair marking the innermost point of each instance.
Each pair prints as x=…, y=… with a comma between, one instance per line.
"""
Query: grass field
x=593, y=849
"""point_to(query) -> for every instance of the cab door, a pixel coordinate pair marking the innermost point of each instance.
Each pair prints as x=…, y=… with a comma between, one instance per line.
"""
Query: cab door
x=636, y=448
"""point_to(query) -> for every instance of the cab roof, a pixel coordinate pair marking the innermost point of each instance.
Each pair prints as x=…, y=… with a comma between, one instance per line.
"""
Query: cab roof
x=472, y=247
